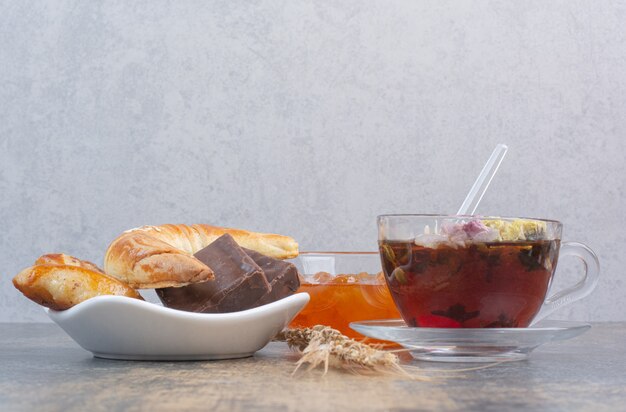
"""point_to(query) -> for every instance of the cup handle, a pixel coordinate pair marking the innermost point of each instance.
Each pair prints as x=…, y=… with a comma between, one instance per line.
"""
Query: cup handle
x=581, y=289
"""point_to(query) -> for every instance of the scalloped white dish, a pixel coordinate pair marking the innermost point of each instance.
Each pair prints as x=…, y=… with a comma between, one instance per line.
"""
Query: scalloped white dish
x=117, y=327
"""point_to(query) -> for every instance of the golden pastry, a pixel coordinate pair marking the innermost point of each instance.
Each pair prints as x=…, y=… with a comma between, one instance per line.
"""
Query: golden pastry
x=63, y=259
x=60, y=287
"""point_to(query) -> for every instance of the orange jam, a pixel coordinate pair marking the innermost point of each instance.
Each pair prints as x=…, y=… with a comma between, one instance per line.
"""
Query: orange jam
x=338, y=300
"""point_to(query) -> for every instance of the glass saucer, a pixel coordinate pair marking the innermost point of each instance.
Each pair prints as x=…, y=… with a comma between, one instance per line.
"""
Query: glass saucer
x=470, y=345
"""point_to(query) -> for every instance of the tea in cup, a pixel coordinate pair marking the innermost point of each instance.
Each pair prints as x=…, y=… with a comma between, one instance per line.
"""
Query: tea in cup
x=477, y=272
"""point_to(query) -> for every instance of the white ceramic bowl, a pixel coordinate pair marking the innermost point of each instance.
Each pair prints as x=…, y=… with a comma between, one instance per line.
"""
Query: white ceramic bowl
x=117, y=327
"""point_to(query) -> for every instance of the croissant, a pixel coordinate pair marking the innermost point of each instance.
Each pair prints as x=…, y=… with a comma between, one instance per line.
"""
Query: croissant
x=162, y=256
x=60, y=281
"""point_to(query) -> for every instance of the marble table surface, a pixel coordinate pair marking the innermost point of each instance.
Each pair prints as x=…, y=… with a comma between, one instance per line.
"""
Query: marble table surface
x=41, y=368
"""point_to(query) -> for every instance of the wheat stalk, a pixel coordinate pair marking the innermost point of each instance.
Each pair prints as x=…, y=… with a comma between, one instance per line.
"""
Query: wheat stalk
x=322, y=345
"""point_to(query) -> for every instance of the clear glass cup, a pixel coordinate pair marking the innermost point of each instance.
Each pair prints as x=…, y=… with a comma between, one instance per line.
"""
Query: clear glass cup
x=344, y=287
x=475, y=272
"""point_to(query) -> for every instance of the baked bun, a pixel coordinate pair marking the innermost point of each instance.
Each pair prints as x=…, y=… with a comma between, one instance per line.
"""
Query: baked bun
x=162, y=256
x=61, y=286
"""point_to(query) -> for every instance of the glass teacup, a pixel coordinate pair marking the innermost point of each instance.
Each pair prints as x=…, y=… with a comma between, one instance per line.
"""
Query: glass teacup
x=477, y=272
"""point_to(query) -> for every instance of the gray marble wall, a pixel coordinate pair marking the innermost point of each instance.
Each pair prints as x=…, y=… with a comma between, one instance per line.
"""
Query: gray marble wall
x=307, y=118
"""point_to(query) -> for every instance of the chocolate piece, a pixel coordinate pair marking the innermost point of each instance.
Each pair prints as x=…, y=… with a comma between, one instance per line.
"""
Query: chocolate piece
x=282, y=276
x=239, y=282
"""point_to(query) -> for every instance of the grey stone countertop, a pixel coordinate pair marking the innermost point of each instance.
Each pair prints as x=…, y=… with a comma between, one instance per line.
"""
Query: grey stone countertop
x=41, y=368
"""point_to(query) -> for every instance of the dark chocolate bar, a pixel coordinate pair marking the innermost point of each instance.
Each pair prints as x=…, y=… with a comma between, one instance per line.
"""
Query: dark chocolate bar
x=239, y=282
x=282, y=276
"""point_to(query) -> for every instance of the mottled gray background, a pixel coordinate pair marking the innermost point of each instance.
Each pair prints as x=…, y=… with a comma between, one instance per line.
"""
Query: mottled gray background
x=307, y=118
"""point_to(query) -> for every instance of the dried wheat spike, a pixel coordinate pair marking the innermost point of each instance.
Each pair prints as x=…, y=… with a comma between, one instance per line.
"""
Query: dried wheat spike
x=324, y=345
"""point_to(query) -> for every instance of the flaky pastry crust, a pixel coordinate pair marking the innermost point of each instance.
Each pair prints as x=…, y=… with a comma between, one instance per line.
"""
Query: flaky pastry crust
x=61, y=281
x=63, y=259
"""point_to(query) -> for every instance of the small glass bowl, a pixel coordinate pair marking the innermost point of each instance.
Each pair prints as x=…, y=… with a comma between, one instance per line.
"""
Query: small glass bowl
x=344, y=287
